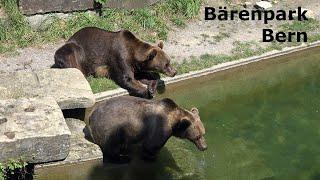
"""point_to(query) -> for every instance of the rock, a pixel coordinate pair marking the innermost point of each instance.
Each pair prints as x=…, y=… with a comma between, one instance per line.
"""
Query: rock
x=129, y=4
x=263, y=5
x=38, y=20
x=310, y=14
x=44, y=20
x=2, y=13
x=248, y=4
x=30, y=7
x=67, y=86
x=33, y=129
x=81, y=147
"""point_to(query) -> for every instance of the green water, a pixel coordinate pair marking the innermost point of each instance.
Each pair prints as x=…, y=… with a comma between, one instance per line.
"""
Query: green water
x=262, y=122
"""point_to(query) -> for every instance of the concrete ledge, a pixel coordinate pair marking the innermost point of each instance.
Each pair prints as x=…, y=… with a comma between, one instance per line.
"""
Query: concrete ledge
x=67, y=86
x=30, y=7
x=220, y=67
x=33, y=129
x=81, y=147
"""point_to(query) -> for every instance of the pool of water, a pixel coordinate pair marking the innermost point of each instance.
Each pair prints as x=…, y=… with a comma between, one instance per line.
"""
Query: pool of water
x=262, y=122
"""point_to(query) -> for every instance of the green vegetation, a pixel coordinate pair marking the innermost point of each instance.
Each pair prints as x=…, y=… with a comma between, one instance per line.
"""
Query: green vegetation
x=221, y=36
x=13, y=169
x=296, y=25
x=101, y=1
x=101, y=84
x=2, y=171
x=148, y=23
x=311, y=26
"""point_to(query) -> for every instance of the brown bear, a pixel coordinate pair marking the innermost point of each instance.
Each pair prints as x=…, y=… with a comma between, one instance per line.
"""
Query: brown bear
x=119, y=56
x=119, y=123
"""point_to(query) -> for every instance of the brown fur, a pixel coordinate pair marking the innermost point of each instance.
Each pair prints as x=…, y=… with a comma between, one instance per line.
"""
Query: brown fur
x=119, y=56
x=119, y=123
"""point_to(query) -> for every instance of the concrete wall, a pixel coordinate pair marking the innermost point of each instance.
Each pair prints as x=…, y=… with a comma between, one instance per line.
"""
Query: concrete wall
x=30, y=7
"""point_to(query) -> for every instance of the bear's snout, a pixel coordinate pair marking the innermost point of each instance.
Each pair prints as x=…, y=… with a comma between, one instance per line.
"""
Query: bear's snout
x=201, y=144
x=171, y=72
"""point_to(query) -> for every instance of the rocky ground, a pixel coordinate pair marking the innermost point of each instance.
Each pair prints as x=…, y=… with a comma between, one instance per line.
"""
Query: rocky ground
x=197, y=38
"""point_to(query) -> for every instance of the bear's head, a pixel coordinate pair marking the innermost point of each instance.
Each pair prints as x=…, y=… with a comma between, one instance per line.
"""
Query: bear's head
x=189, y=126
x=158, y=60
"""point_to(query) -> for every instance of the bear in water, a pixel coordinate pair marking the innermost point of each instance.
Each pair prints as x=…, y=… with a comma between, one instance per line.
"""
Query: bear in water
x=121, y=122
x=120, y=56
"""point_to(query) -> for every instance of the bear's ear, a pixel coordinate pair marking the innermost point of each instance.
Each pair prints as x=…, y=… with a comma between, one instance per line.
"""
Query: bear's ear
x=160, y=44
x=169, y=103
x=152, y=54
x=195, y=110
x=181, y=126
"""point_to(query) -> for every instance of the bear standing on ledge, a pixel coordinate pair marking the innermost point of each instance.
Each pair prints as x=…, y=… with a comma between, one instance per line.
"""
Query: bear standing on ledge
x=121, y=122
x=119, y=56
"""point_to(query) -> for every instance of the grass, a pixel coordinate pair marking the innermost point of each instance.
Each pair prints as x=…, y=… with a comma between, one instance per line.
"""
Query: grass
x=101, y=84
x=150, y=23
x=221, y=36
x=311, y=27
x=14, y=169
x=296, y=25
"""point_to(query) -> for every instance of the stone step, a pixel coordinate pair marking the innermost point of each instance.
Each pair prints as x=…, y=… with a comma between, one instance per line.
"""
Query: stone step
x=33, y=129
x=67, y=86
x=82, y=148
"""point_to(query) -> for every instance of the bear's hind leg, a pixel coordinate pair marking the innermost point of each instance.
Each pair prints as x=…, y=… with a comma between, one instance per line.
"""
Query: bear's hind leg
x=116, y=149
x=101, y=71
x=114, y=155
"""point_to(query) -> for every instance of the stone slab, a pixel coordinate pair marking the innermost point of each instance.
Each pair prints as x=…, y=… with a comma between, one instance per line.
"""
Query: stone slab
x=29, y=7
x=67, y=86
x=81, y=147
x=33, y=129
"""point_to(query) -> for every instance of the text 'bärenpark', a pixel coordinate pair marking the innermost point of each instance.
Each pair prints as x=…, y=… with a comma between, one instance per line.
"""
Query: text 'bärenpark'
x=268, y=35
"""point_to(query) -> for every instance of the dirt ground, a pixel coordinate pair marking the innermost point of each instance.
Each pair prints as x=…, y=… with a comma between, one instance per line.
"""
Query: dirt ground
x=197, y=38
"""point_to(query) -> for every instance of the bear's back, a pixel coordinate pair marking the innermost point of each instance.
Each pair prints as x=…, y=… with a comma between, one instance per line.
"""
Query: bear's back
x=93, y=39
x=121, y=113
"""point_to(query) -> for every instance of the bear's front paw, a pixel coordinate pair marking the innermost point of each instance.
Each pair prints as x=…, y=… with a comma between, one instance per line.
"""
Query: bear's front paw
x=147, y=94
x=152, y=87
x=161, y=87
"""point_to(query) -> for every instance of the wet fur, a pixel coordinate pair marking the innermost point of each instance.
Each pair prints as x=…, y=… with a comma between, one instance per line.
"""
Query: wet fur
x=119, y=123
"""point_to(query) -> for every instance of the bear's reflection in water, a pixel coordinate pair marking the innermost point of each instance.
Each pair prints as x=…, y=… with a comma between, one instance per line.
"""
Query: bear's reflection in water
x=138, y=169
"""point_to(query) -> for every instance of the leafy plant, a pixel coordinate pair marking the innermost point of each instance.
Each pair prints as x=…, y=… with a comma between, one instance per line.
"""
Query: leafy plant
x=2, y=171
x=13, y=169
x=101, y=1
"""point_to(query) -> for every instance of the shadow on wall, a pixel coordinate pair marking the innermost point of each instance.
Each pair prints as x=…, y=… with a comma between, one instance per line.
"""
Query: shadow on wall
x=79, y=113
